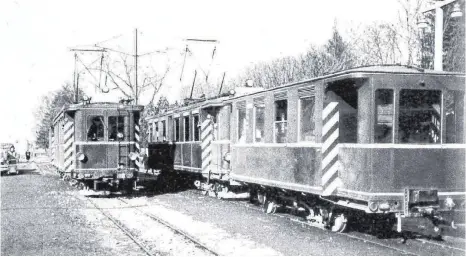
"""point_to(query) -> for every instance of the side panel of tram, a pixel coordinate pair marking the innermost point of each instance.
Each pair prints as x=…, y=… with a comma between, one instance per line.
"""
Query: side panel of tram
x=178, y=141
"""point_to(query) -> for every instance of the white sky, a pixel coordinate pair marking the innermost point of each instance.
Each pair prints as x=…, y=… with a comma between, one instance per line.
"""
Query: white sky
x=36, y=37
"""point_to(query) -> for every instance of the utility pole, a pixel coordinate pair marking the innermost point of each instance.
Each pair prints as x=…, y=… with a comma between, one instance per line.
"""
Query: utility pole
x=136, y=65
x=221, y=85
x=192, y=87
x=75, y=84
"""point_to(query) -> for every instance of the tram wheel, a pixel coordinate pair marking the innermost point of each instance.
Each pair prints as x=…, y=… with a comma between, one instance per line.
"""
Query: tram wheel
x=269, y=206
x=339, y=223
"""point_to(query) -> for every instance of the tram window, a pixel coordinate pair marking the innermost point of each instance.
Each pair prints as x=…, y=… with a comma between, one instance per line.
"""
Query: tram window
x=116, y=128
x=242, y=124
x=196, y=126
x=150, y=132
x=307, y=119
x=281, y=117
x=259, y=120
x=420, y=114
x=345, y=92
x=186, y=128
x=454, y=116
x=164, y=133
x=383, y=131
x=95, y=128
x=176, y=129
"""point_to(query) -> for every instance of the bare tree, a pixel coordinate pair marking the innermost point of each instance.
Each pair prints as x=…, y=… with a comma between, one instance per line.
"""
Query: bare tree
x=377, y=43
x=51, y=104
x=408, y=29
x=121, y=75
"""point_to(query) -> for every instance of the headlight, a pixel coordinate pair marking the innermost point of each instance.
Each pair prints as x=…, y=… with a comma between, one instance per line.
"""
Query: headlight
x=373, y=206
x=80, y=156
x=133, y=156
x=449, y=203
x=385, y=206
x=120, y=135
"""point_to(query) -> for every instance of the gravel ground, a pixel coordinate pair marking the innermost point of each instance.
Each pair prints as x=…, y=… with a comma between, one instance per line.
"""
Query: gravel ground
x=248, y=228
x=40, y=216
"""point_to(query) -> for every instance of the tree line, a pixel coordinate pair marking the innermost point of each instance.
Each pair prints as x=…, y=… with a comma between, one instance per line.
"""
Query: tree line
x=379, y=43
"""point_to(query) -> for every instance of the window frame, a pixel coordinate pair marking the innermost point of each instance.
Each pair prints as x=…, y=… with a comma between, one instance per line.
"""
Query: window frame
x=275, y=122
x=176, y=129
x=254, y=120
x=196, y=127
x=188, y=139
x=104, y=121
x=241, y=105
x=395, y=115
x=299, y=121
x=399, y=111
x=117, y=119
x=164, y=130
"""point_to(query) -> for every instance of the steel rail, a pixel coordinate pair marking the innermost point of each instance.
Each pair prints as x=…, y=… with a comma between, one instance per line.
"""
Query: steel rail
x=175, y=229
x=122, y=228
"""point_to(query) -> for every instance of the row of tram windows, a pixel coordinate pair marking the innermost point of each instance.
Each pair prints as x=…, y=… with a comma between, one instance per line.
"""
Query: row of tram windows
x=306, y=132
x=419, y=118
x=183, y=129
x=96, y=127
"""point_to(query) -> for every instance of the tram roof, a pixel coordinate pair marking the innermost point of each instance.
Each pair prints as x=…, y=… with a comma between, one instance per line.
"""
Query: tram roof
x=97, y=105
x=357, y=72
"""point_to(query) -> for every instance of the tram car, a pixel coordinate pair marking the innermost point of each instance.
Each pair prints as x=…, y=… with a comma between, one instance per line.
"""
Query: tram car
x=388, y=141
x=96, y=145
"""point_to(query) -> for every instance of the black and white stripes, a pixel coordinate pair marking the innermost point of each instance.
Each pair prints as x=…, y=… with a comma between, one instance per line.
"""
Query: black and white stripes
x=206, y=144
x=330, y=163
x=68, y=145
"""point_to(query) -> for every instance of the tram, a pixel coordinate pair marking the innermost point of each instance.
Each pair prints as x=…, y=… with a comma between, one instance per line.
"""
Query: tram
x=387, y=141
x=96, y=145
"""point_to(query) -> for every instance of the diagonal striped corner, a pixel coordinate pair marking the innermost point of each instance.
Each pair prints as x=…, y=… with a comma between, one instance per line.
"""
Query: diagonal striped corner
x=137, y=138
x=68, y=146
x=206, y=144
x=330, y=163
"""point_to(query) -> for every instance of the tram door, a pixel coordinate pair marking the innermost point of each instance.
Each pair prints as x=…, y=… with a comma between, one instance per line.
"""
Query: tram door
x=219, y=146
x=345, y=93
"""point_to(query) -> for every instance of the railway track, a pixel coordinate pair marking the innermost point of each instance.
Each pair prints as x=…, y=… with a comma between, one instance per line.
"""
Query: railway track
x=126, y=231
x=174, y=229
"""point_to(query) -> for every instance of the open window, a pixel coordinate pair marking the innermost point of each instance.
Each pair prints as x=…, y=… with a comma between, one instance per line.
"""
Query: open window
x=156, y=131
x=196, y=127
x=281, y=121
x=95, y=128
x=307, y=119
x=420, y=116
x=186, y=128
x=151, y=127
x=116, y=128
x=345, y=92
x=259, y=119
x=384, y=115
x=164, y=131
x=454, y=116
x=176, y=129
x=241, y=108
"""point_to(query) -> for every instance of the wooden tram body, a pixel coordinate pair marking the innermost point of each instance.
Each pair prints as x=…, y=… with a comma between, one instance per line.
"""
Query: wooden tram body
x=387, y=140
x=97, y=144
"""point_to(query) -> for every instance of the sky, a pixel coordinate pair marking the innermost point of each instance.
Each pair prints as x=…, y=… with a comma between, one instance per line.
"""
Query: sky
x=36, y=37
